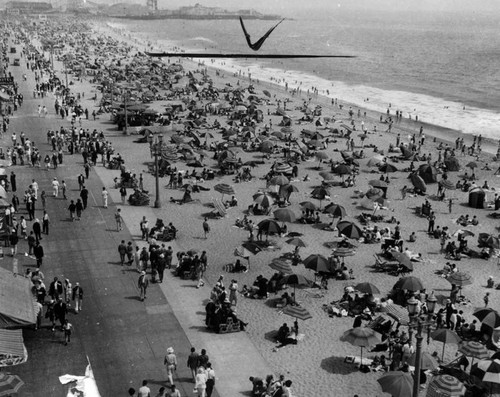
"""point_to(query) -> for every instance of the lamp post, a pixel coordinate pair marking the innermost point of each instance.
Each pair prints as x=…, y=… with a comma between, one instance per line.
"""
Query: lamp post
x=421, y=324
x=157, y=152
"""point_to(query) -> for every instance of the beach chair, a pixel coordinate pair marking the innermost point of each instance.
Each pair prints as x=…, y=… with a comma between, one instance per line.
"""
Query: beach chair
x=219, y=208
x=383, y=265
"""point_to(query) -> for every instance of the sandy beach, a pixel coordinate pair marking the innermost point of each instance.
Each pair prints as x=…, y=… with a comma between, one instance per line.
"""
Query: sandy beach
x=316, y=365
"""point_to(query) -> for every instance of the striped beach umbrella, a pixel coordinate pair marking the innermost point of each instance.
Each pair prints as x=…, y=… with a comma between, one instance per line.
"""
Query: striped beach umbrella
x=224, y=188
x=281, y=266
x=282, y=167
x=398, y=313
x=279, y=180
x=263, y=199
x=269, y=226
x=474, y=349
x=460, y=278
x=298, y=312
x=298, y=242
x=445, y=386
x=9, y=384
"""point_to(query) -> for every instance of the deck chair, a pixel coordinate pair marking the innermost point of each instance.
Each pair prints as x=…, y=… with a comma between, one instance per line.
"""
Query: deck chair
x=383, y=265
x=219, y=208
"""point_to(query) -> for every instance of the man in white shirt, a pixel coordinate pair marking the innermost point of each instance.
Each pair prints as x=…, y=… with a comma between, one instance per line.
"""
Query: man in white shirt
x=144, y=391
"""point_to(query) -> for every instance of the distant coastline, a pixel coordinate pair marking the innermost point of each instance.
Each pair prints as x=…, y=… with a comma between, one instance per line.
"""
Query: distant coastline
x=195, y=17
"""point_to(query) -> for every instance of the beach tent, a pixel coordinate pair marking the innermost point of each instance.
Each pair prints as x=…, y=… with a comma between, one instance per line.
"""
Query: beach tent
x=17, y=307
x=428, y=173
x=452, y=164
x=12, y=349
x=477, y=196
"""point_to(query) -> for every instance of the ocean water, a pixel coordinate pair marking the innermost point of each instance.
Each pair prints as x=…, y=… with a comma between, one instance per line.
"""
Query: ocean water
x=442, y=67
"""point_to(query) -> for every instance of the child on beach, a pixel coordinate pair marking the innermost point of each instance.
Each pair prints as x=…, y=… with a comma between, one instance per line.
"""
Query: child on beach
x=67, y=328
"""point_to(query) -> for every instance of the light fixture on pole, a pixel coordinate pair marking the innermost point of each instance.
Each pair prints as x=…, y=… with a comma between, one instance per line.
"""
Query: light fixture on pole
x=157, y=152
x=420, y=324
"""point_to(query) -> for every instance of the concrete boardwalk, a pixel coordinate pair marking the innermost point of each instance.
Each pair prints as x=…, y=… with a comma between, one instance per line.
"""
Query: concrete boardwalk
x=124, y=339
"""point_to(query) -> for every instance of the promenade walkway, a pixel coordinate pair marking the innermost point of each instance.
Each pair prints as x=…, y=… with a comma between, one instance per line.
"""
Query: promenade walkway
x=124, y=339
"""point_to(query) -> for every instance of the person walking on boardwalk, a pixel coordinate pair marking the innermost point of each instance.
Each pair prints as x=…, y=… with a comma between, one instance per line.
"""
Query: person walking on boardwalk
x=37, y=229
x=206, y=227
x=210, y=383
x=122, y=250
x=78, y=297
x=72, y=210
x=119, y=220
x=64, y=188
x=67, y=328
x=123, y=194
x=105, y=195
x=143, y=283
x=55, y=187
x=79, y=209
x=13, y=182
x=192, y=362
x=170, y=363
x=81, y=181
x=84, y=195
x=45, y=223
x=144, y=228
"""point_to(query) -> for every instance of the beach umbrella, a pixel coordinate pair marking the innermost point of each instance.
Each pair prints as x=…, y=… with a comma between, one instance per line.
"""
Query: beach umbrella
x=418, y=182
x=266, y=93
x=474, y=349
x=409, y=283
x=297, y=280
x=445, y=336
x=367, y=288
x=342, y=169
x=369, y=204
x=446, y=184
x=224, y=188
x=296, y=242
x=298, y=312
x=281, y=266
x=308, y=206
x=460, y=279
x=267, y=146
x=472, y=165
x=488, y=317
x=428, y=173
x=343, y=252
x=426, y=361
x=279, y=180
x=387, y=168
x=375, y=161
x=445, y=386
x=336, y=210
x=377, y=183
x=492, y=242
x=269, y=226
x=283, y=168
x=487, y=370
x=318, y=263
x=361, y=337
x=9, y=384
x=314, y=143
x=463, y=233
x=243, y=252
x=397, y=383
x=321, y=156
x=327, y=176
x=285, y=215
x=263, y=199
x=403, y=260
x=349, y=229
x=254, y=248
x=398, y=313
x=374, y=193
x=320, y=193
x=287, y=190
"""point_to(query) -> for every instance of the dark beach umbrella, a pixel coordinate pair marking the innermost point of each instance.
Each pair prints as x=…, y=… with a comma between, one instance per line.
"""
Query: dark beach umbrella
x=445, y=336
x=308, y=206
x=285, y=215
x=418, y=182
x=428, y=173
x=403, y=260
x=427, y=362
x=297, y=280
x=336, y=210
x=409, y=283
x=281, y=266
x=377, y=183
x=320, y=193
x=487, y=370
x=397, y=383
x=269, y=226
x=296, y=241
x=349, y=229
x=488, y=317
x=387, y=168
x=266, y=93
x=367, y=288
x=318, y=263
x=321, y=156
x=288, y=189
x=224, y=188
x=267, y=146
x=279, y=180
x=472, y=165
x=314, y=143
x=342, y=169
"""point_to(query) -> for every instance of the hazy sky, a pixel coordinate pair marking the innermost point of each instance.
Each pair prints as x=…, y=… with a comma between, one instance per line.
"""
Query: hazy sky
x=296, y=7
